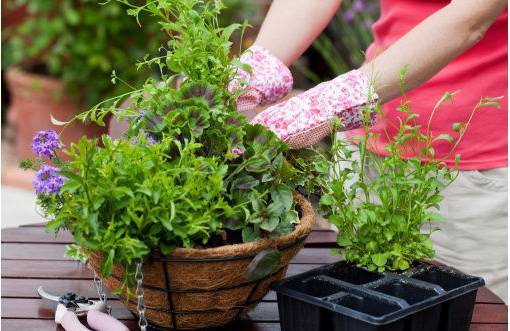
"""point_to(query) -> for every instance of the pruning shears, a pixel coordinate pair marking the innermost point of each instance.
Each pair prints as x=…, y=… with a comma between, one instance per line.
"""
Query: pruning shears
x=72, y=305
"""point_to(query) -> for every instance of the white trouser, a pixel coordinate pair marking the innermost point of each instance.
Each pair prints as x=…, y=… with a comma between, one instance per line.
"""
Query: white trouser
x=474, y=238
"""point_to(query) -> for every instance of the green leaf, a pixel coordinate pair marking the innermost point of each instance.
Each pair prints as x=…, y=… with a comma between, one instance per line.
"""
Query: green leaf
x=250, y=234
x=76, y=253
x=54, y=121
x=145, y=190
x=246, y=183
x=107, y=263
x=388, y=233
x=444, y=136
x=263, y=265
x=70, y=186
x=327, y=200
x=275, y=209
x=379, y=259
x=448, y=96
x=433, y=216
x=270, y=224
x=282, y=194
x=258, y=165
x=344, y=240
x=92, y=219
x=403, y=264
x=457, y=127
x=228, y=30
x=457, y=160
x=165, y=248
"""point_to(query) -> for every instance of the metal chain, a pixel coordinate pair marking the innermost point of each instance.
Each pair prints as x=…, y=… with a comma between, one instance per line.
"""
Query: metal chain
x=100, y=291
x=140, y=304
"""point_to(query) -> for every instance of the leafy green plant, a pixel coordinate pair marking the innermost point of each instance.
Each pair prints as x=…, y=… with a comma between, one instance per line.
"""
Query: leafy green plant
x=190, y=171
x=386, y=208
x=81, y=42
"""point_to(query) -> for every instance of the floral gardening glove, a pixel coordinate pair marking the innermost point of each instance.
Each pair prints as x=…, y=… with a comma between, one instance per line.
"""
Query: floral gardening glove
x=270, y=79
x=305, y=119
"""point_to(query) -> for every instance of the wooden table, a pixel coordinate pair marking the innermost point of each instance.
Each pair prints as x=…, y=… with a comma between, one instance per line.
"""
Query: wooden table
x=30, y=258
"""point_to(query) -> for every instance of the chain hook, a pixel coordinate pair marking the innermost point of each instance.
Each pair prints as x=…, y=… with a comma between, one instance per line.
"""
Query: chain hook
x=101, y=293
x=140, y=305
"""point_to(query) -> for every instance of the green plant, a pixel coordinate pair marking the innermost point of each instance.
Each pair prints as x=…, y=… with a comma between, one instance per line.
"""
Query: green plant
x=190, y=171
x=341, y=46
x=81, y=42
x=385, y=207
x=238, y=11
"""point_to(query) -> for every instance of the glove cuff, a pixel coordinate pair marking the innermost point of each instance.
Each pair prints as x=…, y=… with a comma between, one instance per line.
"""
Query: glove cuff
x=270, y=77
x=305, y=119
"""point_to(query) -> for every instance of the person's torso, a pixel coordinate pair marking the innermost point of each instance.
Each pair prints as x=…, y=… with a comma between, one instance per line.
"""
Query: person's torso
x=479, y=72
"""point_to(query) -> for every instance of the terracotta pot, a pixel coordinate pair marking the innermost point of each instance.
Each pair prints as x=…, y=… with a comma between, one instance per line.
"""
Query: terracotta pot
x=33, y=99
x=12, y=16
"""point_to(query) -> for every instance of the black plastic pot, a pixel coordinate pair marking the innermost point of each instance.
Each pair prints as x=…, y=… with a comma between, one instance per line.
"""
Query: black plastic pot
x=341, y=296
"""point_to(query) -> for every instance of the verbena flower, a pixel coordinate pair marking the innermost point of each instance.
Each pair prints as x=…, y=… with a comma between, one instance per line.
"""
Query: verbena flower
x=149, y=137
x=47, y=180
x=348, y=16
x=359, y=6
x=45, y=143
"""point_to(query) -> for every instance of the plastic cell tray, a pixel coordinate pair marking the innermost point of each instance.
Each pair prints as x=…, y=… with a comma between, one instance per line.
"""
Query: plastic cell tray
x=341, y=296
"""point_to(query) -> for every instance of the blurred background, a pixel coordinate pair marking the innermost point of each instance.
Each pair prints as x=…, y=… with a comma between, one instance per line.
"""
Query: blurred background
x=58, y=57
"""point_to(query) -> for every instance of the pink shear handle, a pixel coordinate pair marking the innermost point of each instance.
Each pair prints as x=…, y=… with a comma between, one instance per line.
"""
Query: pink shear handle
x=71, y=323
x=103, y=322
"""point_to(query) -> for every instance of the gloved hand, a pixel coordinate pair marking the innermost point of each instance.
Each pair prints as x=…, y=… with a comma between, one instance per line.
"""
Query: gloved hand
x=305, y=119
x=270, y=79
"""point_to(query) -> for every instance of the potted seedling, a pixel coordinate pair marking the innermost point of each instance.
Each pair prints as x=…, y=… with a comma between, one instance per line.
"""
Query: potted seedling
x=385, y=209
x=60, y=58
x=193, y=214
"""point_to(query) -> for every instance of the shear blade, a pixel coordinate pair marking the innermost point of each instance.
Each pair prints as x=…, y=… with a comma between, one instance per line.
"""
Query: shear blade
x=46, y=295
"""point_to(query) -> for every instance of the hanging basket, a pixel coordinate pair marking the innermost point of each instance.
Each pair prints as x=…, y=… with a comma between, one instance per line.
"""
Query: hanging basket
x=198, y=288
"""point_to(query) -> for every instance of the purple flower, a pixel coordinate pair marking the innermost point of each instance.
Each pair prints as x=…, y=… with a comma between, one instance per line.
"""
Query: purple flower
x=237, y=151
x=45, y=143
x=150, y=139
x=368, y=23
x=348, y=16
x=358, y=6
x=47, y=180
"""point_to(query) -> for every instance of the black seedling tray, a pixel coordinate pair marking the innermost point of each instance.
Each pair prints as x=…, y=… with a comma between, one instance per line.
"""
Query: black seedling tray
x=341, y=296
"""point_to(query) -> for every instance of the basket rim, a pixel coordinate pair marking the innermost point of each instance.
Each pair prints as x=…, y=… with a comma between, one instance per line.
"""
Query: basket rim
x=303, y=228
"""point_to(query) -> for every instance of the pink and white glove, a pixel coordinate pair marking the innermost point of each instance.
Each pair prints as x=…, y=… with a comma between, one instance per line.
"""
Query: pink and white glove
x=305, y=119
x=270, y=79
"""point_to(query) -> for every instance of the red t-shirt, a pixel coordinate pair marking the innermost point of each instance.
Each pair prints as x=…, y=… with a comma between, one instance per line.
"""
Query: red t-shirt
x=480, y=71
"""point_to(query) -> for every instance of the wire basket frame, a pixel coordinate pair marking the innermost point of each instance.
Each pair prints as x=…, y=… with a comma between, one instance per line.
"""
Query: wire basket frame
x=168, y=289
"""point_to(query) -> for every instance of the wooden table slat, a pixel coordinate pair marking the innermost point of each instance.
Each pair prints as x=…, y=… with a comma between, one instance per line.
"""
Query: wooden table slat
x=32, y=257
x=45, y=269
x=488, y=327
x=26, y=288
x=9, y=324
x=23, y=269
x=44, y=309
x=56, y=252
x=490, y=313
x=35, y=235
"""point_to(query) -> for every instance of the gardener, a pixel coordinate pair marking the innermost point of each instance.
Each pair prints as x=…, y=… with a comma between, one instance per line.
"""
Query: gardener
x=448, y=46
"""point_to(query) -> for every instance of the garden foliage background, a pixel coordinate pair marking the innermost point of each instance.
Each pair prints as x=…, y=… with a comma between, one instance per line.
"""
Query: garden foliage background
x=338, y=49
